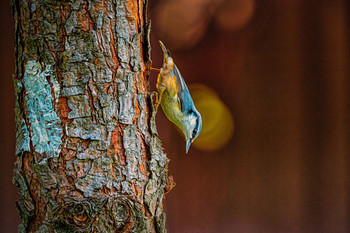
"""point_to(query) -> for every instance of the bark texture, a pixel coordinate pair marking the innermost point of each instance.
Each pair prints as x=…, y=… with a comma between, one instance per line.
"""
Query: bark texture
x=88, y=155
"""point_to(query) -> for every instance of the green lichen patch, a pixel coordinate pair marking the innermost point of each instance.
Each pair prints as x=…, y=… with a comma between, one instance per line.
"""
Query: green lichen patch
x=45, y=125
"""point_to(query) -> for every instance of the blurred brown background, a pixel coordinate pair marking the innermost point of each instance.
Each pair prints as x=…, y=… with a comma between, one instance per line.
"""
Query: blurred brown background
x=282, y=69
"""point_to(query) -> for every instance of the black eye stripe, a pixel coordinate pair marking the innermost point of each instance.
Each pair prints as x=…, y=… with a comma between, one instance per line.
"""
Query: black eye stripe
x=195, y=129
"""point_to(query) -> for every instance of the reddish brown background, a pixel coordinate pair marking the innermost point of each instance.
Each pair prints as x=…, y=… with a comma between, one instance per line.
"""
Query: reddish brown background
x=285, y=78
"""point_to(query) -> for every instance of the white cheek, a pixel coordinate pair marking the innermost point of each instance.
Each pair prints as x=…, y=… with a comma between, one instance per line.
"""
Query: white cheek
x=193, y=121
x=193, y=124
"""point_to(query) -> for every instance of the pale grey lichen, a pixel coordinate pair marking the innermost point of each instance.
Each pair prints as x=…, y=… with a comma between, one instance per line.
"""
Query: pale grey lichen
x=101, y=173
x=70, y=22
x=122, y=34
x=72, y=90
x=69, y=78
x=126, y=188
x=77, y=50
x=104, y=75
x=45, y=125
x=125, y=98
x=50, y=73
x=143, y=118
x=99, y=20
x=79, y=105
x=85, y=129
x=78, y=168
x=91, y=152
x=155, y=186
x=135, y=58
x=131, y=143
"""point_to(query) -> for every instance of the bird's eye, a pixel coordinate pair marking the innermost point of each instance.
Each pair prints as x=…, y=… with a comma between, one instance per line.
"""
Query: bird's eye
x=195, y=130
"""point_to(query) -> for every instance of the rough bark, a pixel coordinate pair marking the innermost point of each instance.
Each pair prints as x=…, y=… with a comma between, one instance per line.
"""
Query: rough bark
x=88, y=155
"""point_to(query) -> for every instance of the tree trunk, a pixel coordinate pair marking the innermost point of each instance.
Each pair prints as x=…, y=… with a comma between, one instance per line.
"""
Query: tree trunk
x=88, y=155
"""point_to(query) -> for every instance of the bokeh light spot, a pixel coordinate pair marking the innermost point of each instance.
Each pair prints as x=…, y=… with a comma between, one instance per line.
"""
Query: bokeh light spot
x=182, y=22
x=218, y=123
x=233, y=15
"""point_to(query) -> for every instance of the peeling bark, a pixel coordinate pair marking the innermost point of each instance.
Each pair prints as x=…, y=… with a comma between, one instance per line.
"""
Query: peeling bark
x=88, y=155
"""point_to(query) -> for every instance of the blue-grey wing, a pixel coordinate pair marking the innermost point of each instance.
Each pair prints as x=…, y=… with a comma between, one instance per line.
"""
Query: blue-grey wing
x=184, y=96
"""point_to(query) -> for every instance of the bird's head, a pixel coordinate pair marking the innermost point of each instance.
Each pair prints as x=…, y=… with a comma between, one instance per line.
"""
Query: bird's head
x=192, y=127
x=168, y=62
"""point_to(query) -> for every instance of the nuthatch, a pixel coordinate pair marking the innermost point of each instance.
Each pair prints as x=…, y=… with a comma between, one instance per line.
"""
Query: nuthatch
x=175, y=99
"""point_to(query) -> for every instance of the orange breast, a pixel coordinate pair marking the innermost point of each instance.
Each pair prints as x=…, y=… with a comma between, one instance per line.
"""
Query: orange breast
x=171, y=85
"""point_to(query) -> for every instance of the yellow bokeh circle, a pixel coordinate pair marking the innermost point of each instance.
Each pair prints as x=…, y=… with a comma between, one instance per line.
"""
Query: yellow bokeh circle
x=218, y=123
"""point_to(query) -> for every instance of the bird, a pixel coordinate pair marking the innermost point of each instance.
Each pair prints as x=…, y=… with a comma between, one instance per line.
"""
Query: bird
x=175, y=99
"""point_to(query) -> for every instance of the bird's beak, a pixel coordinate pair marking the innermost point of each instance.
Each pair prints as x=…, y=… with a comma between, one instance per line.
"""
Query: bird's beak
x=188, y=144
x=165, y=51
